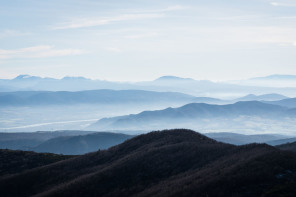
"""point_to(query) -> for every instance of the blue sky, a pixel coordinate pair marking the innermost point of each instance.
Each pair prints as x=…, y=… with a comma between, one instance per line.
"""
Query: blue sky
x=136, y=40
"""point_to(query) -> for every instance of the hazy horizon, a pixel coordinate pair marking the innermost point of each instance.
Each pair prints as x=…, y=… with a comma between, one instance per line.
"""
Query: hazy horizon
x=25, y=75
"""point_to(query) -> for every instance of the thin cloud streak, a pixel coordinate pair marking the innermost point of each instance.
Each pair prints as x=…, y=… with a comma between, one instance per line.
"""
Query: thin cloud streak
x=283, y=4
x=42, y=51
x=10, y=33
x=134, y=15
x=87, y=22
x=168, y=9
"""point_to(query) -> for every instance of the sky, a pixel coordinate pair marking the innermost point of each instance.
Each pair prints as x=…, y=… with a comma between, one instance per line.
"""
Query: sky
x=138, y=40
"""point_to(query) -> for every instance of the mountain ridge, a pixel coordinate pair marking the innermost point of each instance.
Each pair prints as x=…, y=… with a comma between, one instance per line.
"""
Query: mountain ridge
x=163, y=163
x=90, y=96
x=205, y=88
x=194, y=111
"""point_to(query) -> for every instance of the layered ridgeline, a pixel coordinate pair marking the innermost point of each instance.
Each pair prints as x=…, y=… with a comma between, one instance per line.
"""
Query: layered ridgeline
x=165, y=83
x=106, y=96
x=61, y=142
x=35, y=98
x=201, y=115
x=81, y=142
x=289, y=102
x=27, y=140
x=77, y=145
x=264, y=97
x=166, y=163
x=241, y=139
x=288, y=146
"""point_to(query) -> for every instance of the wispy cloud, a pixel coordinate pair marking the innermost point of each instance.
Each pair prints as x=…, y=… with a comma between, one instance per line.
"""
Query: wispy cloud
x=38, y=52
x=132, y=15
x=175, y=7
x=284, y=4
x=9, y=33
x=163, y=10
x=92, y=22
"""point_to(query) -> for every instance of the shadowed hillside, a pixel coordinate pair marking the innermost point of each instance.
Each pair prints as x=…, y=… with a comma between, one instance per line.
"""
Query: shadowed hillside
x=167, y=163
x=13, y=162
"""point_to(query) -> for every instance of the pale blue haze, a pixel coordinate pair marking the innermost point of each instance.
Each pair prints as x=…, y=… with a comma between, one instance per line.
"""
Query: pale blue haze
x=135, y=40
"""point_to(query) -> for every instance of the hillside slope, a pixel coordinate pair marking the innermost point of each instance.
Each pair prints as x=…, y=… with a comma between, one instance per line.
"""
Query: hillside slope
x=13, y=162
x=166, y=163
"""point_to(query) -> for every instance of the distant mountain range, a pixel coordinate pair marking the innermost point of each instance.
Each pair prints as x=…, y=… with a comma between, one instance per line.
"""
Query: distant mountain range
x=90, y=97
x=264, y=97
x=28, y=140
x=192, y=114
x=290, y=102
x=61, y=142
x=276, y=77
x=269, y=81
x=199, y=88
x=94, y=97
x=34, y=83
x=240, y=139
x=78, y=145
x=277, y=142
x=288, y=147
x=164, y=163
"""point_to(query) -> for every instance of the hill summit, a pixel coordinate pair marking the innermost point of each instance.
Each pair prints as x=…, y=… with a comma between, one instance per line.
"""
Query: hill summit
x=164, y=163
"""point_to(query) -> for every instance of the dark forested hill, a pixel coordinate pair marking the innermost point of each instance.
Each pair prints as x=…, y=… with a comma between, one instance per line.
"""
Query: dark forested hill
x=164, y=163
x=13, y=161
